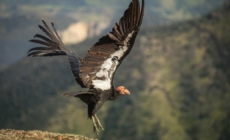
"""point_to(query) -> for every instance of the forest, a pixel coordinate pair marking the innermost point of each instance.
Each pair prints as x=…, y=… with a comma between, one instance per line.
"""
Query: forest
x=177, y=73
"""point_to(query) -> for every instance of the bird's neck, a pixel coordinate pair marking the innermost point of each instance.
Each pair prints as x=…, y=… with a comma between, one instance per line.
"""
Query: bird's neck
x=114, y=96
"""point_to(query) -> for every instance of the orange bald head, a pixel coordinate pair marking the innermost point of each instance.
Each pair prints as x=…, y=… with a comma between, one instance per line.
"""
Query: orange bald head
x=122, y=90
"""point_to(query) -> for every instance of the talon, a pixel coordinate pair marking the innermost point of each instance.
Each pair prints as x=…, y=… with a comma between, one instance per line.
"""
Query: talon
x=96, y=130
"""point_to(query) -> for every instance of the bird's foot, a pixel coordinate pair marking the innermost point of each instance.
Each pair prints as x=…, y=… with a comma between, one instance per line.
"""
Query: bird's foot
x=100, y=126
x=96, y=130
x=98, y=123
x=95, y=125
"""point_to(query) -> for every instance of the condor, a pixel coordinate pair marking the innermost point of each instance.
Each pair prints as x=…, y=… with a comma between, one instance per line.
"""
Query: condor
x=96, y=70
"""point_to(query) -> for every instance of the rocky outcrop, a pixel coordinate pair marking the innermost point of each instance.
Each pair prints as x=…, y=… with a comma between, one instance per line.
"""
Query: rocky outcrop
x=9, y=134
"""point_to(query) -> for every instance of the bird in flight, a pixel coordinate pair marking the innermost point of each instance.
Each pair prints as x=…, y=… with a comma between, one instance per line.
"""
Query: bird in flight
x=95, y=72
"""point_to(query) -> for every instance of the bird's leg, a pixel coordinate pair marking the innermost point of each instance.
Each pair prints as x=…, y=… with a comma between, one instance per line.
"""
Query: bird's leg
x=98, y=122
x=95, y=126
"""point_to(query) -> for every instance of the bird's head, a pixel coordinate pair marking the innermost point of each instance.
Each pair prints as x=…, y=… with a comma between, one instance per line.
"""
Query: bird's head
x=122, y=90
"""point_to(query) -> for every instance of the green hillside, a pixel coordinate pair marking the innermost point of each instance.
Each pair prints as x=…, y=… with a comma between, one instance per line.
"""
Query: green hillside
x=18, y=19
x=178, y=76
x=170, y=9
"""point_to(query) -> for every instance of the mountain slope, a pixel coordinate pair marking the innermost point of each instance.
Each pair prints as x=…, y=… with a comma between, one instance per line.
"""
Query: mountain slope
x=18, y=19
x=178, y=76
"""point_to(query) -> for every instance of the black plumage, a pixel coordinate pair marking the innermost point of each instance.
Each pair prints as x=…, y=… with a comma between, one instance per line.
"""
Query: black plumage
x=96, y=70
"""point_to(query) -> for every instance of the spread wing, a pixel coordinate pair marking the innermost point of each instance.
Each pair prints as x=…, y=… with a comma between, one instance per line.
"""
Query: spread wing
x=53, y=46
x=101, y=60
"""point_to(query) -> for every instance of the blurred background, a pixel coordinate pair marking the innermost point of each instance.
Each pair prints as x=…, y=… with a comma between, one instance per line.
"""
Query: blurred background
x=178, y=71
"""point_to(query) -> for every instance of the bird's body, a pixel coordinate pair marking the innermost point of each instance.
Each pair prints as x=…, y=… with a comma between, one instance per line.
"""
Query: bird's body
x=96, y=70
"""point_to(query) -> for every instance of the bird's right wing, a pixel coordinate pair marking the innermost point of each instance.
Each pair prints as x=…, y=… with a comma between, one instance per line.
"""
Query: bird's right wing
x=53, y=46
x=103, y=58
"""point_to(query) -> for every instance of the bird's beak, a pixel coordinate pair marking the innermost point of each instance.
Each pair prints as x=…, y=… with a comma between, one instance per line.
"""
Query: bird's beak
x=126, y=92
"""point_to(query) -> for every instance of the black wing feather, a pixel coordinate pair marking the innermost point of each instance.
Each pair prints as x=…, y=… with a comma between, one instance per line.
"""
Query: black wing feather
x=122, y=34
x=39, y=48
x=53, y=46
x=48, y=44
x=44, y=38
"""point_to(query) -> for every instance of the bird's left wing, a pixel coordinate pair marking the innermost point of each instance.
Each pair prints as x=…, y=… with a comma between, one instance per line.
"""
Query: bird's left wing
x=52, y=45
x=101, y=60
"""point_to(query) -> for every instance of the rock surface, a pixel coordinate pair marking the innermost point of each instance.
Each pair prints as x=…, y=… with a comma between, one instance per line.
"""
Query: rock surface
x=10, y=134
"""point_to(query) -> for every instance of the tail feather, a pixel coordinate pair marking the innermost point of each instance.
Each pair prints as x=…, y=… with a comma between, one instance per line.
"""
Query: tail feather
x=75, y=94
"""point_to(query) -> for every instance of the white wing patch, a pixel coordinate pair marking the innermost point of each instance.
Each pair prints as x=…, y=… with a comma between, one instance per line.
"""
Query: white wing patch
x=102, y=84
x=109, y=66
